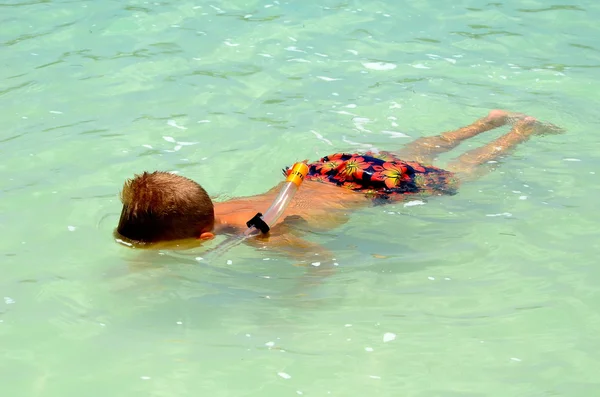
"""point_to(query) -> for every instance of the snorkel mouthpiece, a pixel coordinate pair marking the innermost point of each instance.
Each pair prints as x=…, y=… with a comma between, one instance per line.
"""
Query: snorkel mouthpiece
x=258, y=222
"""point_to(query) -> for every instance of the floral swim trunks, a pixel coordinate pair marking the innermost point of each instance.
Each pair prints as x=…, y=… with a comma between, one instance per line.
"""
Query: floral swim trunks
x=381, y=175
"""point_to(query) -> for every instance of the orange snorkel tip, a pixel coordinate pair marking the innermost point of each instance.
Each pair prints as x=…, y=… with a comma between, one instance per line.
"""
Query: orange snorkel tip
x=297, y=174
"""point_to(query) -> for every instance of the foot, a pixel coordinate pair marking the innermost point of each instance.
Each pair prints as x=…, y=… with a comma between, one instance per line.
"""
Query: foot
x=531, y=126
x=500, y=117
x=525, y=126
x=524, y=122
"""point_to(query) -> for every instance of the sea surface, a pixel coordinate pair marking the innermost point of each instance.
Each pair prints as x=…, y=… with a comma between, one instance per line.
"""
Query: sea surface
x=491, y=292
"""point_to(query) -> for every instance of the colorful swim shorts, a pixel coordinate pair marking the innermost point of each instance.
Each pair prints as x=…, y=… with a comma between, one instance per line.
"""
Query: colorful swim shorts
x=381, y=175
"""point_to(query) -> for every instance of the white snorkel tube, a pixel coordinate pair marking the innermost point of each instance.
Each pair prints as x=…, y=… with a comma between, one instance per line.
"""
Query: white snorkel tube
x=262, y=223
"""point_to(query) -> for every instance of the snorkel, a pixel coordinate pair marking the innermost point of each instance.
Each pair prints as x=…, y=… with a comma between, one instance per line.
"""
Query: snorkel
x=262, y=223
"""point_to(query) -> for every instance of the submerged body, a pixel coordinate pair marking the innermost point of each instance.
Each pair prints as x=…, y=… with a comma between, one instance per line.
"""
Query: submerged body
x=164, y=208
x=337, y=184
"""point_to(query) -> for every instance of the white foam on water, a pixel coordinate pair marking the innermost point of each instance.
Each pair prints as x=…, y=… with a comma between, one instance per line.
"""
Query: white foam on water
x=501, y=214
x=360, y=122
x=381, y=66
x=388, y=337
x=294, y=49
x=321, y=138
x=395, y=134
x=325, y=78
x=173, y=123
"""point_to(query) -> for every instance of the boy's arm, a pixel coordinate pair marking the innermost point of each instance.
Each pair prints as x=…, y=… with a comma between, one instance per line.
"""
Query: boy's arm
x=286, y=239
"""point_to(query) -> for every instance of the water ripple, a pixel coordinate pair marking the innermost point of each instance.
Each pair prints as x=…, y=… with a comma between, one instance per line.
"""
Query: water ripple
x=31, y=36
x=227, y=93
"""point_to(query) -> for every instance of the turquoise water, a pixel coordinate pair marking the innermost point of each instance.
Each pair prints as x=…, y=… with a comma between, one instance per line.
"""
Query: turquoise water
x=492, y=292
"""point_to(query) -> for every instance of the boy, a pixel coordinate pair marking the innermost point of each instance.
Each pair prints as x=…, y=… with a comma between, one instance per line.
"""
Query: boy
x=162, y=209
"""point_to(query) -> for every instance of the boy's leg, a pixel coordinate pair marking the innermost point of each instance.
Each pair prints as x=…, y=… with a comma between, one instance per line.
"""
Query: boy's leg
x=425, y=149
x=467, y=164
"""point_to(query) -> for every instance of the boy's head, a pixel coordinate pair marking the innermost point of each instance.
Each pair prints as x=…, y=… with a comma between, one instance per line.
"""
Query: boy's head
x=161, y=206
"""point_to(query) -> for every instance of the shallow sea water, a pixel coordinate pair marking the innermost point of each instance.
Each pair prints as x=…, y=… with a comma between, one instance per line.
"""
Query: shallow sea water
x=492, y=292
